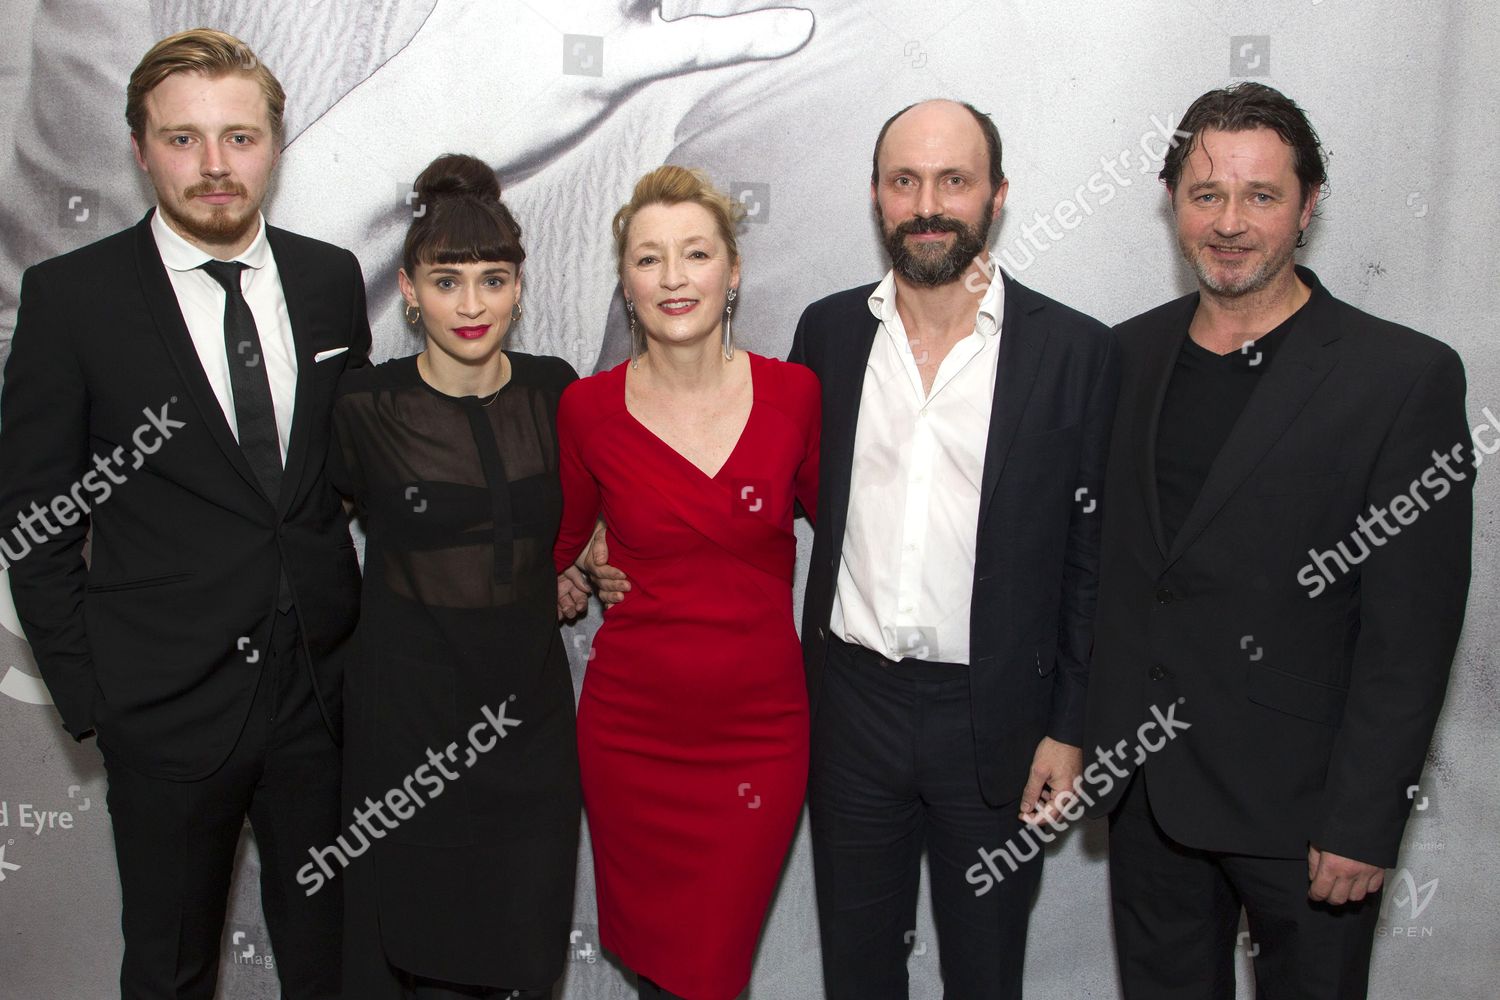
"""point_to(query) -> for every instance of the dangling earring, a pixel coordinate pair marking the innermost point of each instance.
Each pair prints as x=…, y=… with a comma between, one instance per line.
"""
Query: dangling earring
x=636, y=347
x=413, y=314
x=729, y=325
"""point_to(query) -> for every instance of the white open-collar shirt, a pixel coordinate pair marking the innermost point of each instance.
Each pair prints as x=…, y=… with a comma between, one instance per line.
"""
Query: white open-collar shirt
x=907, y=570
x=201, y=300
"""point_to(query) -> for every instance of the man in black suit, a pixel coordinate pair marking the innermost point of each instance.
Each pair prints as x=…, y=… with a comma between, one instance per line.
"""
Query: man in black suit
x=1285, y=564
x=169, y=387
x=950, y=598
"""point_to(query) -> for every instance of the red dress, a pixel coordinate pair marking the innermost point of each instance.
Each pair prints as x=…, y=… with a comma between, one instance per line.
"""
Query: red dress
x=692, y=723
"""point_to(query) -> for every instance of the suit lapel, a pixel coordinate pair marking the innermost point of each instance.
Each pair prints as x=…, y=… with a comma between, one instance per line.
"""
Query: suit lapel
x=293, y=289
x=1023, y=336
x=1301, y=363
x=166, y=314
x=844, y=380
x=1160, y=360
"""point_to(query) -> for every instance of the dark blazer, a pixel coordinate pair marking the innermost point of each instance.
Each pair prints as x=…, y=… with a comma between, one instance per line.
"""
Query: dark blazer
x=1311, y=702
x=1036, y=548
x=158, y=642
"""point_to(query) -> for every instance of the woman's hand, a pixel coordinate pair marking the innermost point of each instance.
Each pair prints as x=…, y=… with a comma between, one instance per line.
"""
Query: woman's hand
x=572, y=594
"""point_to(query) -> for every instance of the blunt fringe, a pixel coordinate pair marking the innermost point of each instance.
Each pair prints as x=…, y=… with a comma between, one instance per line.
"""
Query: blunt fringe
x=459, y=217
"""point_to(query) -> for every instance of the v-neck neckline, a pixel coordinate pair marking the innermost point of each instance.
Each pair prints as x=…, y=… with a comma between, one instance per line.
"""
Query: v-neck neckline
x=734, y=450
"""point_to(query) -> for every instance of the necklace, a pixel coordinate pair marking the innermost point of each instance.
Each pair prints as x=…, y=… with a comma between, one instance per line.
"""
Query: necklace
x=424, y=370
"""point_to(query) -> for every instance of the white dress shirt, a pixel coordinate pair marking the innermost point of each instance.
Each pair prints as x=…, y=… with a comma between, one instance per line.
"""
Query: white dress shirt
x=201, y=300
x=907, y=570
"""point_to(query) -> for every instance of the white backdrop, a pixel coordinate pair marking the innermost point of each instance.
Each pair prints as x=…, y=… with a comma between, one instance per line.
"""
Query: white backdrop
x=573, y=101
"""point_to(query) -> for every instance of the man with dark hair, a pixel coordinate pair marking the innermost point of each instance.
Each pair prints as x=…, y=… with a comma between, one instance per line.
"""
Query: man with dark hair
x=950, y=597
x=169, y=390
x=1285, y=564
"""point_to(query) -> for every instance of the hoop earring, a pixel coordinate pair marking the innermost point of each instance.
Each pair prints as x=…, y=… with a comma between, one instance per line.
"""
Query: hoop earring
x=413, y=314
x=637, y=348
x=729, y=324
x=515, y=312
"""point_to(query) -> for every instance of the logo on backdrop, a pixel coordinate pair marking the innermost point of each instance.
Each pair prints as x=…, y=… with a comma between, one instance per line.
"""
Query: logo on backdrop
x=583, y=55
x=755, y=196
x=78, y=208
x=34, y=820
x=583, y=944
x=1407, y=900
x=1250, y=55
x=243, y=950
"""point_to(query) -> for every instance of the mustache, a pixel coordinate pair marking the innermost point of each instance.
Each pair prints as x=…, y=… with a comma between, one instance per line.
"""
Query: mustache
x=209, y=187
x=934, y=224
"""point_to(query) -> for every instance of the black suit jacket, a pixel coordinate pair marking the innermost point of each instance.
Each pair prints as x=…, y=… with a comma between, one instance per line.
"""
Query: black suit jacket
x=1311, y=702
x=158, y=643
x=1037, y=540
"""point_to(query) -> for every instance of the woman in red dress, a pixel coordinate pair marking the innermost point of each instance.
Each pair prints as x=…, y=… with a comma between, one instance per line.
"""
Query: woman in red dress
x=692, y=723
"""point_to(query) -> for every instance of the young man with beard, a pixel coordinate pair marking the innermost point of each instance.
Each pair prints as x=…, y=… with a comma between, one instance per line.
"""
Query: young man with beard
x=950, y=600
x=205, y=640
x=1265, y=429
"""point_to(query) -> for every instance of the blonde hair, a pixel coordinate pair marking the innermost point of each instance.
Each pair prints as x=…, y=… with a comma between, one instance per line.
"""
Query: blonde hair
x=674, y=185
x=201, y=50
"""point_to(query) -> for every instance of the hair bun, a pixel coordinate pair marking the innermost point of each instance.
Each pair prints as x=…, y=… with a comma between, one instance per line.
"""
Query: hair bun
x=457, y=174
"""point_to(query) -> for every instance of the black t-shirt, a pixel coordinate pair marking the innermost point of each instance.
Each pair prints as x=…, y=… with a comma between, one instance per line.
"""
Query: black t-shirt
x=1205, y=397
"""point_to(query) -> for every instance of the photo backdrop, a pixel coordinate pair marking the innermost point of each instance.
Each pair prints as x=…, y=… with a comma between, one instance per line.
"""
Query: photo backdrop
x=571, y=102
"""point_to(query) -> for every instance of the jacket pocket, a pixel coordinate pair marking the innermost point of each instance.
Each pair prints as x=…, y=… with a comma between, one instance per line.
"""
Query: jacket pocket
x=1302, y=484
x=138, y=582
x=1296, y=696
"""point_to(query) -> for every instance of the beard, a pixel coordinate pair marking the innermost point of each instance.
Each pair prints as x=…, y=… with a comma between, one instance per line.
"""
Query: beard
x=221, y=225
x=1236, y=284
x=930, y=266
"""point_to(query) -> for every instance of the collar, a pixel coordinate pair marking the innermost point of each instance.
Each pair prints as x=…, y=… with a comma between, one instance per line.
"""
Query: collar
x=180, y=255
x=991, y=307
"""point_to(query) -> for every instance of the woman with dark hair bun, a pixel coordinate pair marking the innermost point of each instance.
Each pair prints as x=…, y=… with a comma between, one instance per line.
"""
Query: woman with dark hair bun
x=461, y=773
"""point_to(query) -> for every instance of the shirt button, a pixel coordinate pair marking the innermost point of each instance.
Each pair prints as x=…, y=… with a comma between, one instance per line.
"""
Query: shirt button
x=1164, y=595
x=1157, y=672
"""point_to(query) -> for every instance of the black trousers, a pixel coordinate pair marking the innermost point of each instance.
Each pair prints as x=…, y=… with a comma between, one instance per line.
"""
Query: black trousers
x=422, y=988
x=647, y=989
x=894, y=774
x=175, y=843
x=1177, y=917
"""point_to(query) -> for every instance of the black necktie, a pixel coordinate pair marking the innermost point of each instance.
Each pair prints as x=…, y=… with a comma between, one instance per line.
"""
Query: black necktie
x=254, y=412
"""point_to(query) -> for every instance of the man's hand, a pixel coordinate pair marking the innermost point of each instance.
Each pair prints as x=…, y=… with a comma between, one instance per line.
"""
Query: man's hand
x=610, y=583
x=1337, y=880
x=1054, y=770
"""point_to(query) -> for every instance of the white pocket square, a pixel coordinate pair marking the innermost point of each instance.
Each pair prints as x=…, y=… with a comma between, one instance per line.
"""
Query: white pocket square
x=332, y=352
